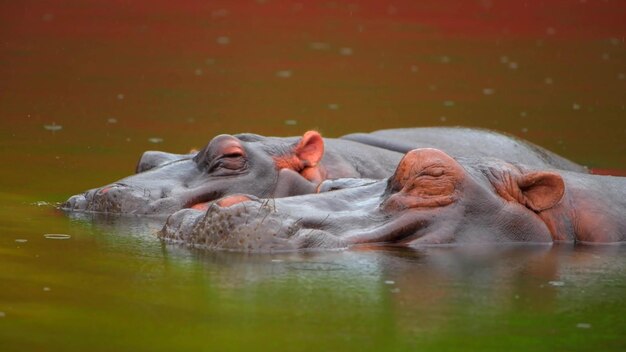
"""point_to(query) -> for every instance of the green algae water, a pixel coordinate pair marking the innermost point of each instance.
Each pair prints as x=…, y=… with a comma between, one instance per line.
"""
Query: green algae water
x=86, y=87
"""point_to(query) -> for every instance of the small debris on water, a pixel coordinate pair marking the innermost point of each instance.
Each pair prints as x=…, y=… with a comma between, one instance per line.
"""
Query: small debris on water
x=556, y=283
x=277, y=260
x=576, y=106
x=120, y=96
x=46, y=289
x=53, y=127
x=488, y=91
x=523, y=114
x=583, y=325
x=524, y=130
x=414, y=69
x=445, y=59
x=3, y=314
x=198, y=72
x=40, y=203
x=513, y=65
x=21, y=240
x=284, y=74
x=155, y=140
x=345, y=51
x=57, y=236
x=448, y=103
x=516, y=296
x=389, y=282
x=112, y=120
x=504, y=59
x=333, y=106
x=443, y=118
x=291, y=122
x=319, y=46
x=223, y=40
x=394, y=290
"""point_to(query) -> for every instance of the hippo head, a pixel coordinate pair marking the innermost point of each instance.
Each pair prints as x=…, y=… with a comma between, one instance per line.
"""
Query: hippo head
x=431, y=199
x=246, y=163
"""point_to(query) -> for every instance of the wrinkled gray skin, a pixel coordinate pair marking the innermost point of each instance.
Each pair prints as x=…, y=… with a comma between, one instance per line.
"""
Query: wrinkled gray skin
x=375, y=211
x=166, y=182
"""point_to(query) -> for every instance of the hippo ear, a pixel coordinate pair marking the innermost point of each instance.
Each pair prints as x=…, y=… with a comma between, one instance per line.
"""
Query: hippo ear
x=310, y=149
x=541, y=190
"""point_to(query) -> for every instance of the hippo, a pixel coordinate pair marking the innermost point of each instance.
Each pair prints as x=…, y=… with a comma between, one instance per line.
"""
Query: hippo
x=431, y=199
x=274, y=167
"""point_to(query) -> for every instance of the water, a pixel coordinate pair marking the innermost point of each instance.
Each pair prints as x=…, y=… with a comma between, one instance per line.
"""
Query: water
x=86, y=87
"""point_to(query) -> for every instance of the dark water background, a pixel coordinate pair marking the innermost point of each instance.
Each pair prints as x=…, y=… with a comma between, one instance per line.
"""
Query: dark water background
x=86, y=86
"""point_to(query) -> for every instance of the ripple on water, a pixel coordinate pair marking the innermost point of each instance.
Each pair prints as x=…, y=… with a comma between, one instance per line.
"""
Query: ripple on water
x=57, y=236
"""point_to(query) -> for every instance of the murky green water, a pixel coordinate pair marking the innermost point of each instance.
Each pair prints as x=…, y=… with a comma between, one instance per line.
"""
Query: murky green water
x=116, y=77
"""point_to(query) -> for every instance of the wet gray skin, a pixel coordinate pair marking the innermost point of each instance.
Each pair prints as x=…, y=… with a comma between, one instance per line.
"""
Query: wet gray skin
x=432, y=199
x=278, y=167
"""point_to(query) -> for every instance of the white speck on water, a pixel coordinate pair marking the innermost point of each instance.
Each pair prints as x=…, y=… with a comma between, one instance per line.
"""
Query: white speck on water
x=556, y=283
x=209, y=61
x=223, y=40
x=277, y=260
x=525, y=130
x=504, y=59
x=449, y=103
x=120, y=96
x=583, y=326
x=291, y=122
x=394, y=290
x=576, y=106
x=53, y=127
x=111, y=120
x=3, y=314
x=414, y=68
x=621, y=76
x=550, y=31
x=488, y=91
x=41, y=203
x=155, y=140
x=389, y=282
x=46, y=289
x=513, y=65
x=346, y=51
x=333, y=106
x=548, y=80
x=56, y=236
x=21, y=240
x=523, y=114
x=319, y=46
x=443, y=119
x=445, y=59
x=606, y=56
x=198, y=72
x=284, y=74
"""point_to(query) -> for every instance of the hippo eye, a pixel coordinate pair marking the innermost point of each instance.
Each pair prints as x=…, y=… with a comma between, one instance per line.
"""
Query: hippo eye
x=228, y=164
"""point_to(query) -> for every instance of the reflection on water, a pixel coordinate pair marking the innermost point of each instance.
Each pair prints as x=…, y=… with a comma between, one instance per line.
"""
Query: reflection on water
x=87, y=86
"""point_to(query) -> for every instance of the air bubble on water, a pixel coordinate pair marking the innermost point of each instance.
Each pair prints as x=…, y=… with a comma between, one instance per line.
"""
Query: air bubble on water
x=488, y=91
x=513, y=65
x=53, y=127
x=583, y=325
x=21, y=240
x=389, y=282
x=345, y=51
x=155, y=140
x=56, y=236
x=291, y=122
x=550, y=31
x=46, y=289
x=319, y=46
x=284, y=74
x=223, y=40
x=448, y=103
x=556, y=283
x=111, y=120
x=548, y=80
x=333, y=106
x=3, y=314
x=120, y=96
x=504, y=59
x=198, y=72
x=445, y=59
x=576, y=106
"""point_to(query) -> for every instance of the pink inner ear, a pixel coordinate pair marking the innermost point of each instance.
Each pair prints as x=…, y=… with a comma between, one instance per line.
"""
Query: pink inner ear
x=542, y=190
x=310, y=149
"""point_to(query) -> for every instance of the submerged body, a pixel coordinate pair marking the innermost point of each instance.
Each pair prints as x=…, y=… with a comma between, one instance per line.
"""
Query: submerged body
x=274, y=167
x=431, y=199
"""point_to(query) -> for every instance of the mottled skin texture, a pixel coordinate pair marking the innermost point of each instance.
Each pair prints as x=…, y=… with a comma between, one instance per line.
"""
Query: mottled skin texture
x=431, y=199
x=273, y=167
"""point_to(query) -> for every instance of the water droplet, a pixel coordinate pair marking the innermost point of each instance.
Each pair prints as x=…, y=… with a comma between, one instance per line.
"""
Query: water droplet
x=556, y=283
x=448, y=103
x=488, y=91
x=53, y=127
x=57, y=236
x=389, y=282
x=291, y=122
x=111, y=120
x=345, y=51
x=46, y=289
x=223, y=40
x=333, y=106
x=583, y=325
x=319, y=46
x=155, y=140
x=283, y=74
x=21, y=240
